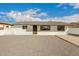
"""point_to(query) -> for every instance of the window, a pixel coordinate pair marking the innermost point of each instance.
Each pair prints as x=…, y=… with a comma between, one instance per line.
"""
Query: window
x=7, y=26
x=12, y=25
x=24, y=27
x=1, y=28
x=60, y=28
x=45, y=27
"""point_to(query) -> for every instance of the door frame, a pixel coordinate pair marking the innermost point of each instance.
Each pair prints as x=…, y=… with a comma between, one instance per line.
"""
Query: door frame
x=34, y=29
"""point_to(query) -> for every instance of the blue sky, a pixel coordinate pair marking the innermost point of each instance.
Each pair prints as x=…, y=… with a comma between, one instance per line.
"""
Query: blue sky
x=51, y=9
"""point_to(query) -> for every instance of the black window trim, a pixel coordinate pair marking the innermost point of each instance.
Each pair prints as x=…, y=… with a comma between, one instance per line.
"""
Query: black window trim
x=61, y=29
x=45, y=25
x=24, y=27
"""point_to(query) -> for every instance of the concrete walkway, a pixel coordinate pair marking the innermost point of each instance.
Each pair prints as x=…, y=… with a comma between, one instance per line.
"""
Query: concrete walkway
x=36, y=45
x=70, y=38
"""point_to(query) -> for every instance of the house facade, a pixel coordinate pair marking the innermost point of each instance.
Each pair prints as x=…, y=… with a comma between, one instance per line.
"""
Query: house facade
x=35, y=27
x=39, y=28
x=4, y=25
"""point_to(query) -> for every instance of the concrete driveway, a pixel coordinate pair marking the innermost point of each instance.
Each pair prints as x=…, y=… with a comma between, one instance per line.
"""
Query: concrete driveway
x=36, y=45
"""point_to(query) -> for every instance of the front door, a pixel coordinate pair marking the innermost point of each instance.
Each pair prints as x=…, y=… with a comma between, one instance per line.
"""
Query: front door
x=34, y=29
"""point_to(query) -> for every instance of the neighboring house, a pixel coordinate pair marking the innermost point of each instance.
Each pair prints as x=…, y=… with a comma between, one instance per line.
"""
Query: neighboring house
x=4, y=25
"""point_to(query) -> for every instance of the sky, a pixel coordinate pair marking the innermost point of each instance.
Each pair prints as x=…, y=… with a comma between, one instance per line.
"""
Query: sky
x=14, y=12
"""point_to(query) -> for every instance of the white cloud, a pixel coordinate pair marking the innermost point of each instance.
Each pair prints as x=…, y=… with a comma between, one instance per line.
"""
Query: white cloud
x=62, y=5
x=26, y=15
x=42, y=14
x=34, y=12
x=68, y=19
x=59, y=5
x=74, y=5
x=31, y=11
x=71, y=18
x=13, y=14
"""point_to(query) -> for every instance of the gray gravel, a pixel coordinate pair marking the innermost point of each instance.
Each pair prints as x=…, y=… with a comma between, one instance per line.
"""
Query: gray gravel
x=36, y=46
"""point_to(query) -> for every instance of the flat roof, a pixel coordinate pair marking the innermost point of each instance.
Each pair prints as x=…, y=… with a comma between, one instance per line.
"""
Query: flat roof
x=74, y=24
x=6, y=23
x=41, y=23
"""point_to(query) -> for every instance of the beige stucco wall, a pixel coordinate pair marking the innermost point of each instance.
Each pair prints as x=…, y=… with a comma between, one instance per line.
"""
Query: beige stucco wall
x=53, y=28
x=30, y=28
x=38, y=28
x=1, y=25
x=17, y=26
x=5, y=26
x=66, y=27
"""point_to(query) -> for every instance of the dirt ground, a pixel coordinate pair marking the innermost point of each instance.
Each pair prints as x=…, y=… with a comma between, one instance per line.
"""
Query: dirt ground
x=36, y=46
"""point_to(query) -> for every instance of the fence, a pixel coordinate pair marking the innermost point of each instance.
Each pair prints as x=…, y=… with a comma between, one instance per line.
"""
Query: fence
x=74, y=31
x=16, y=31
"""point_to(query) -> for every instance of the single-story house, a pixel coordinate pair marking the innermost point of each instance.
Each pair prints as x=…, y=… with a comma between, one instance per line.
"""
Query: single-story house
x=4, y=25
x=38, y=27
